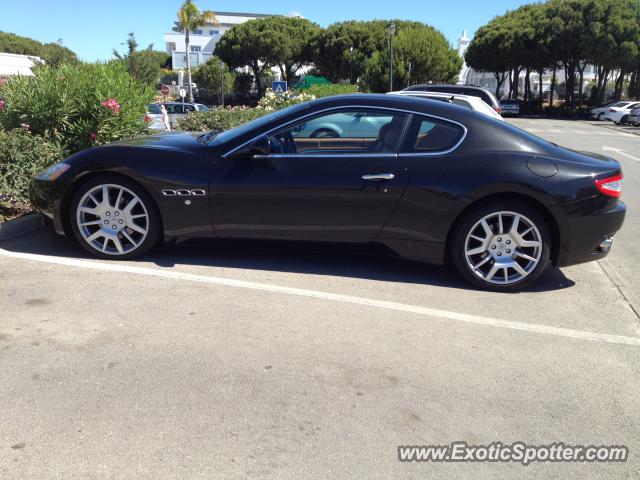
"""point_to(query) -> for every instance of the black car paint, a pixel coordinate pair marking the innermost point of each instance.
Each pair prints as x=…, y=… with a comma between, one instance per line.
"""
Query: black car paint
x=325, y=198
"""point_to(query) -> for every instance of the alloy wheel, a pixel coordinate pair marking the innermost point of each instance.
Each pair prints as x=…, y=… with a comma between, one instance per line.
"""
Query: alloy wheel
x=503, y=248
x=112, y=219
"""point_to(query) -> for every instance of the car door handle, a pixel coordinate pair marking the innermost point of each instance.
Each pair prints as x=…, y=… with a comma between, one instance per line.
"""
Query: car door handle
x=379, y=177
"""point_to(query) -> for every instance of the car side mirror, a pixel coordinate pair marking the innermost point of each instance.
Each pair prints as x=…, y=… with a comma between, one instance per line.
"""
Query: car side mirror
x=260, y=146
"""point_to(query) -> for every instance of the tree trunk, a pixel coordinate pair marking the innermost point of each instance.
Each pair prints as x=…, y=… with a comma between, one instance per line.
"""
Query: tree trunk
x=540, y=89
x=499, y=81
x=527, y=85
x=186, y=47
x=553, y=84
x=256, y=73
x=581, y=86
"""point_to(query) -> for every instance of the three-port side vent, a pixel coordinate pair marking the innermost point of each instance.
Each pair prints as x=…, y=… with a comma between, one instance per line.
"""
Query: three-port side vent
x=183, y=192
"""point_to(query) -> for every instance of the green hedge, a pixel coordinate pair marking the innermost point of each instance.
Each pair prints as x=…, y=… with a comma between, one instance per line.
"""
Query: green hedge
x=327, y=90
x=219, y=119
x=23, y=155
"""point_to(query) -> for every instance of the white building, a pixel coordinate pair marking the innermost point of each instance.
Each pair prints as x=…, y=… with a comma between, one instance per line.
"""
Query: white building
x=12, y=65
x=202, y=41
x=469, y=76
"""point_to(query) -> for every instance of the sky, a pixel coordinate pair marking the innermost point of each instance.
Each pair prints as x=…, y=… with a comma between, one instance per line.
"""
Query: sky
x=92, y=29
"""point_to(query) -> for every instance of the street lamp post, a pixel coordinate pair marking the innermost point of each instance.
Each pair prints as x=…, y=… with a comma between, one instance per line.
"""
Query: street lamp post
x=392, y=32
x=351, y=65
x=409, y=76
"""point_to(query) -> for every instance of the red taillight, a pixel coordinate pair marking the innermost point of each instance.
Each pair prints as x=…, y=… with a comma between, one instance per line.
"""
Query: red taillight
x=147, y=118
x=611, y=186
x=497, y=109
x=613, y=110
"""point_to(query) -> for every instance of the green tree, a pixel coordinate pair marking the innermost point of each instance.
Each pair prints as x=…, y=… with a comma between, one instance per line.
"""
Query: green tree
x=142, y=65
x=431, y=56
x=190, y=17
x=54, y=54
x=487, y=52
x=242, y=46
x=212, y=75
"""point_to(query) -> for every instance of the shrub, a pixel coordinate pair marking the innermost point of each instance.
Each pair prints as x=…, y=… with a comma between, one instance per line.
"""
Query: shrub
x=566, y=111
x=68, y=105
x=277, y=101
x=218, y=119
x=326, y=90
x=23, y=155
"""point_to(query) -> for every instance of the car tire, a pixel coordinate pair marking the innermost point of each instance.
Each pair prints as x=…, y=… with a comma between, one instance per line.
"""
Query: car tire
x=501, y=261
x=124, y=226
x=624, y=120
x=600, y=117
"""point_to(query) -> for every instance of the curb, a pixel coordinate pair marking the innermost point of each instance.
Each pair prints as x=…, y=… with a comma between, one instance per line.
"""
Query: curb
x=21, y=226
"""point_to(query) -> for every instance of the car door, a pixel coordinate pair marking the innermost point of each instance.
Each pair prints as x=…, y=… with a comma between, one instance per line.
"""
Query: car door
x=340, y=188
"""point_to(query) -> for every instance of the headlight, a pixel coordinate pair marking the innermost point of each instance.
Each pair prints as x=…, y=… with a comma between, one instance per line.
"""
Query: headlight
x=53, y=172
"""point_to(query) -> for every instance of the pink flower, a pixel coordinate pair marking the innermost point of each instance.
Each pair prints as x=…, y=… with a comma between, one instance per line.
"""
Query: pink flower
x=93, y=136
x=26, y=127
x=111, y=104
x=2, y=104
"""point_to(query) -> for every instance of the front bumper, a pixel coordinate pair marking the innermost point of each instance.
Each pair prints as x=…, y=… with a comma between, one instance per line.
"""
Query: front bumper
x=590, y=237
x=46, y=198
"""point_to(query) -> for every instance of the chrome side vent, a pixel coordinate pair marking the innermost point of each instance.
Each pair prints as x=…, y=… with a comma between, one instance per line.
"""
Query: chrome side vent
x=198, y=193
x=169, y=193
x=183, y=192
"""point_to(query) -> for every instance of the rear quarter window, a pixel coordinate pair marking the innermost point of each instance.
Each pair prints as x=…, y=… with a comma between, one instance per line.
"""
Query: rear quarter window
x=428, y=135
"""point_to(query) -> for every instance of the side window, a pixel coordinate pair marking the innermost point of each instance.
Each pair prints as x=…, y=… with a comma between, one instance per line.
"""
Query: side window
x=170, y=109
x=430, y=135
x=345, y=132
x=189, y=108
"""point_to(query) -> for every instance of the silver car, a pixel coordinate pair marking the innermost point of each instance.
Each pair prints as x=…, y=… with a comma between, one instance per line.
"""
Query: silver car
x=153, y=117
x=179, y=110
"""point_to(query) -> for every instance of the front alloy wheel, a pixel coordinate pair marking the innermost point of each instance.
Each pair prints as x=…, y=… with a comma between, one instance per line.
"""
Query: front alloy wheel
x=114, y=218
x=500, y=248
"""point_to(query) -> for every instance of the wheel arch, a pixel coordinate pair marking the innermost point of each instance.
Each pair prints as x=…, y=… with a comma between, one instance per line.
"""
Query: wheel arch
x=550, y=219
x=66, y=199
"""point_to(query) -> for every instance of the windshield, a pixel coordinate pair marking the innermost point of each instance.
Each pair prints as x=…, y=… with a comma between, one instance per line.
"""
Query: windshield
x=240, y=130
x=154, y=108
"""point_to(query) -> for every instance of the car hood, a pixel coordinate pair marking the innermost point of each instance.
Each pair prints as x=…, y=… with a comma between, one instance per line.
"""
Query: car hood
x=165, y=141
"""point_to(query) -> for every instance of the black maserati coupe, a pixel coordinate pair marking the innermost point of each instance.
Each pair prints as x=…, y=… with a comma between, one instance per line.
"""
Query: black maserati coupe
x=432, y=181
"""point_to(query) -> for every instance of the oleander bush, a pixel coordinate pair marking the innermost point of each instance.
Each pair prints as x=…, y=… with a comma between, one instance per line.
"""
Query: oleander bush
x=278, y=101
x=22, y=155
x=220, y=118
x=76, y=106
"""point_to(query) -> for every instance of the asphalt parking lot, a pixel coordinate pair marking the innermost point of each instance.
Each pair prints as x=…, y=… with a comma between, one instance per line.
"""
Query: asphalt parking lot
x=247, y=361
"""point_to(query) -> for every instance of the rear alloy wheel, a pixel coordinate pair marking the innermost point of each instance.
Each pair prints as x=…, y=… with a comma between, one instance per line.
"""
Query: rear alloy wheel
x=114, y=218
x=502, y=247
x=601, y=116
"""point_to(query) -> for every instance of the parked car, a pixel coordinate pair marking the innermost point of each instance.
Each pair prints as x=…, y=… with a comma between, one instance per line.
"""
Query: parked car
x=153, y=117
x=471, y=90
x=620, y=114
x=509, y=107
x=178, y=110
x=435, y=182
x=634, y=117
x=598, y=113
x=474, y=103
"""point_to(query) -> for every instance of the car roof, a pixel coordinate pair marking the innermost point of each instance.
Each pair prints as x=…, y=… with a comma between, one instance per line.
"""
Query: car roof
x=411, y=103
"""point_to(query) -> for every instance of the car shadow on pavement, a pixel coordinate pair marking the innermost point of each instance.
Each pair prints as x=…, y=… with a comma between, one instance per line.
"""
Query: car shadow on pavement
x=372, y=262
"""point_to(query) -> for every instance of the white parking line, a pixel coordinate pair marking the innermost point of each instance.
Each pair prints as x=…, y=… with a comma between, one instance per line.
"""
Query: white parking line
x=369, y=302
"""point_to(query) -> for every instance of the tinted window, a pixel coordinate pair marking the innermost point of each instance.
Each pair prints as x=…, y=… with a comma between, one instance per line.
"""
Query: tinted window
x=429, y=135
x=349, y=131
x=257, y=124
x=154, y=108
x=173, y=108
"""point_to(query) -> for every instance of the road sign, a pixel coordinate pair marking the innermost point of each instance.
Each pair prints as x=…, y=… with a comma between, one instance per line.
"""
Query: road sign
x=279, y=87
x=183, y=93
x=164, y=89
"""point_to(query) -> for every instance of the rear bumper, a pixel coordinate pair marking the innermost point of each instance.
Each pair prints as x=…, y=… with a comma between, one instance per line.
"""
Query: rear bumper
x=589, y=237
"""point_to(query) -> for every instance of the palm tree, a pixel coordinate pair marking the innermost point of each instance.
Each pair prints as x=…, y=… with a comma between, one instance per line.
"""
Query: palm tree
x=190, y=17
